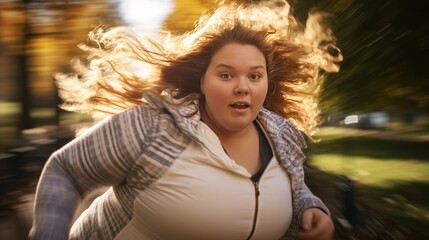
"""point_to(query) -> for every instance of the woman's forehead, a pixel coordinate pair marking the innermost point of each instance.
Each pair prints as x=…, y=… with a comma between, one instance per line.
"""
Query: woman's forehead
x=232, y=53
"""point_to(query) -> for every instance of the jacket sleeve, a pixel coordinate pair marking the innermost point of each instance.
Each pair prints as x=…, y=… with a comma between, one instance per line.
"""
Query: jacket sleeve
x=303, y=198
x=102, y=156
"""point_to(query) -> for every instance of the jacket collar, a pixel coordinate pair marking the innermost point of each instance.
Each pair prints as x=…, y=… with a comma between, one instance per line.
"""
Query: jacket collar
x=187, y=124
x=287, y=139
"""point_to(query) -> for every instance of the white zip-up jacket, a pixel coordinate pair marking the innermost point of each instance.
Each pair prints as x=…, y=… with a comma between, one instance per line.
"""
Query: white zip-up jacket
x=171, y=179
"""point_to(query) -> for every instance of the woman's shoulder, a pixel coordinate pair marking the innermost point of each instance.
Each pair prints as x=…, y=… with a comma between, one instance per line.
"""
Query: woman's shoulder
x=145, y=113
x=142, y=118
x=278, y=120
x=282, y=127
x=145, y=109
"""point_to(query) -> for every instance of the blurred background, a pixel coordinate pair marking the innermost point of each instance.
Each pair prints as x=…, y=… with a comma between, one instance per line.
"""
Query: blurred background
x=371, y=165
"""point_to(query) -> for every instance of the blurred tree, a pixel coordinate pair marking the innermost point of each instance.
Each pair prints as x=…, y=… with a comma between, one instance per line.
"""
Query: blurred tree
x=185, y=13
x=385, y=46
x=15, y=31
x=45, y=38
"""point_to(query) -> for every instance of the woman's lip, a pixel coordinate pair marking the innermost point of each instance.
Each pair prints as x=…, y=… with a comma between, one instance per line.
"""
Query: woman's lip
x=240, y=104
x=240, y=107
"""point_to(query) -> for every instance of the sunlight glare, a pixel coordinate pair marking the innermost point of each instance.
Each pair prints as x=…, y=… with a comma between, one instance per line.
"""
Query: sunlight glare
x=146, y=15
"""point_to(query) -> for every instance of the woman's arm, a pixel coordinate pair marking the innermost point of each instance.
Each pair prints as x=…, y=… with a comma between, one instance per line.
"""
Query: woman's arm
x=102, y=156
x=308, y=200
x=314, y=217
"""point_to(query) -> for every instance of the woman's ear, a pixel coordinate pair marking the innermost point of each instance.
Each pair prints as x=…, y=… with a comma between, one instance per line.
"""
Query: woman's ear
x=202, y=84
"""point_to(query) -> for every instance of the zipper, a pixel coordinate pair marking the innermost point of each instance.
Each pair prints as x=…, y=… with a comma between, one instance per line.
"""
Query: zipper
x=255, y=216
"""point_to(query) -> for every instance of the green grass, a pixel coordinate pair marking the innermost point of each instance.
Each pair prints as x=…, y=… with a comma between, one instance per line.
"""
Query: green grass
x=391, y=176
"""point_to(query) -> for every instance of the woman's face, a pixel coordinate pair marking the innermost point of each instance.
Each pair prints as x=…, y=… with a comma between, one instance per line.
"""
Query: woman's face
x=235, y=86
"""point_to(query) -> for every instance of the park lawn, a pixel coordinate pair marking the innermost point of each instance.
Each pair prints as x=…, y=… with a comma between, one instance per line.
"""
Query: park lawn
x=391, y=176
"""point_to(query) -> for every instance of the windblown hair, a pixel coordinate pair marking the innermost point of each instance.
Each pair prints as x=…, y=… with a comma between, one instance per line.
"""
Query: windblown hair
x=122, y=65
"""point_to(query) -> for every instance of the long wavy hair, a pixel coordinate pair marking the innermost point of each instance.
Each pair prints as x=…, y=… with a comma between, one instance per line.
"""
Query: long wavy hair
x=122, y=65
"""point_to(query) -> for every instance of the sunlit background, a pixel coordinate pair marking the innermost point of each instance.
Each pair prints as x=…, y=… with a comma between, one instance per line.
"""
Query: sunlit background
x=145, y=15
x=371, y=165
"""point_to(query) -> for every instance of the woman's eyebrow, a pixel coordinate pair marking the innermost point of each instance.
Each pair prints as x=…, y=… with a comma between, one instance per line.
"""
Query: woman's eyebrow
x=224, y=65
x=256, y=67
x=230, y=67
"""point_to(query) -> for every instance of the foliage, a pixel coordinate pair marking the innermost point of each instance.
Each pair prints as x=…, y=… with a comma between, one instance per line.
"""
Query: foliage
x=385, y=46
x=185, y=14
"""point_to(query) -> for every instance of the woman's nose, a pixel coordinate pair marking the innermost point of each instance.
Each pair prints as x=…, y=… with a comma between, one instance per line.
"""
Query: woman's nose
x=242, y=86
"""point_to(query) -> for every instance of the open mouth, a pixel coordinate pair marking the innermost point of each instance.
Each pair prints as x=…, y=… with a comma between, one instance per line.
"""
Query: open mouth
x=240, y=105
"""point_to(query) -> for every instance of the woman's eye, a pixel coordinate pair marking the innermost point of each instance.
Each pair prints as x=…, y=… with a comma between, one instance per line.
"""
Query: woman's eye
x=225, y=76
x=255, y=77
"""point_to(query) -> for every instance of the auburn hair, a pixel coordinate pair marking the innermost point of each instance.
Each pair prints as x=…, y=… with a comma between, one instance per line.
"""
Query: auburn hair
x=122, y=65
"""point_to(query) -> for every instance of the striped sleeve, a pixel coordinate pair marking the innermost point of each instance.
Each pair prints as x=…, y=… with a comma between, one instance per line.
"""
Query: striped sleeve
x=102, y=156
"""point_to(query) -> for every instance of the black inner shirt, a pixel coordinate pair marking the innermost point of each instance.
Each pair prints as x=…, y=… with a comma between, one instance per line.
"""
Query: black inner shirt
x=265, y=153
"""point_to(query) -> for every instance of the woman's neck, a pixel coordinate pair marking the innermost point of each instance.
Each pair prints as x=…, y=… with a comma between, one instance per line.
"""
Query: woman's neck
x=222, y=133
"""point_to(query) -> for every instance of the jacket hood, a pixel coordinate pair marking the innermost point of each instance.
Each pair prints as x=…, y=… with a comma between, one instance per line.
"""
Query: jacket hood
x=288, y=140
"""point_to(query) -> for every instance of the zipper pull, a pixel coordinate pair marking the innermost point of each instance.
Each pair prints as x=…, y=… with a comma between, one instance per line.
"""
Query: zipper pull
x=256, y=185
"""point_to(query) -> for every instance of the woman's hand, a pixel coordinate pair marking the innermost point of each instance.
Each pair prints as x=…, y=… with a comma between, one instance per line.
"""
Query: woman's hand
x=317, y=225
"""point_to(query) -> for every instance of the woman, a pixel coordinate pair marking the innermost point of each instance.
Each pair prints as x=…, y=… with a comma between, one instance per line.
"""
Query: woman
x=199, y=146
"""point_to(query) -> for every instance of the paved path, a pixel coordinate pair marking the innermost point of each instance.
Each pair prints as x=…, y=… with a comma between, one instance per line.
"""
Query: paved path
x=15, y=223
